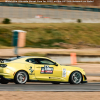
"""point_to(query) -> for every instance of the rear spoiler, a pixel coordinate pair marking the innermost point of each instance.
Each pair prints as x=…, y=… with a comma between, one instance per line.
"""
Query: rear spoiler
x=2, y=60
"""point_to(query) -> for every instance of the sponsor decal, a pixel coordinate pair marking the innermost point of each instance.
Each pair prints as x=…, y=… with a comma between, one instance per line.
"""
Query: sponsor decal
x=64, y=72
x=46, y=70
x=31, y=70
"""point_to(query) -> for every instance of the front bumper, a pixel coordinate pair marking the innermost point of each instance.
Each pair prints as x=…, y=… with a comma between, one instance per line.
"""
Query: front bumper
x=84, y=79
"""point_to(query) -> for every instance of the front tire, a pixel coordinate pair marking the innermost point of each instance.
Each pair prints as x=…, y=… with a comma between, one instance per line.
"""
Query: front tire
x=75, y=78
x=21, y=77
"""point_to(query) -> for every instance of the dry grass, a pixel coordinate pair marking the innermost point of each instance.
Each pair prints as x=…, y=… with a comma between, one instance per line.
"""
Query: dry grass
x=64, y=35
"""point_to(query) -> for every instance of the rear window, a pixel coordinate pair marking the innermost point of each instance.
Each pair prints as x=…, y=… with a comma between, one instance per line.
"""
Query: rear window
x=40, y=61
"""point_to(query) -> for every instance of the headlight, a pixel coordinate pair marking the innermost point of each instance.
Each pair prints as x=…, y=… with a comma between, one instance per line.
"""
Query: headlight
x=3, y=65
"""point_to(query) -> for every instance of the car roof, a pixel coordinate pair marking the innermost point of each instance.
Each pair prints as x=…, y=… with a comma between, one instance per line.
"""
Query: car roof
x=23, y=58
x=31, y=57
x=27, y=57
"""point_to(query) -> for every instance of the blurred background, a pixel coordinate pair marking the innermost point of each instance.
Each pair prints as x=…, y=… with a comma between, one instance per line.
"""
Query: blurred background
x=54, y=29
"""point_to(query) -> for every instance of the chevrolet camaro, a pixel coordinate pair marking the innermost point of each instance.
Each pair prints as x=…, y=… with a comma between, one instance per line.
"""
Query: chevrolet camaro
x=24, y=69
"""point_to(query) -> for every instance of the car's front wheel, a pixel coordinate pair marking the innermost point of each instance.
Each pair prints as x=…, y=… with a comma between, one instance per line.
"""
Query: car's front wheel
x=75, y=78
x=21, y=77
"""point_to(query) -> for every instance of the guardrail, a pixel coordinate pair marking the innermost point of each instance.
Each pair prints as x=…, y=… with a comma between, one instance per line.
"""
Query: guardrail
x=49, y=6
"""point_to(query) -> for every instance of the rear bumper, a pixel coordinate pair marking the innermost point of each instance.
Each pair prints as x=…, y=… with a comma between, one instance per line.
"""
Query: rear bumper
x=2, y=77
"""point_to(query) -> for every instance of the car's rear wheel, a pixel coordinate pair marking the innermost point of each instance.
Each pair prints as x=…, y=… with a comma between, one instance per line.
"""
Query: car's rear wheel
x=21, y=77
x=3, y=81
x=75, y=78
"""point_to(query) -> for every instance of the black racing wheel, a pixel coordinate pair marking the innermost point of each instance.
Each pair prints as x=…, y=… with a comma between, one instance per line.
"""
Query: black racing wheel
x=75, y=78
x=21, y=77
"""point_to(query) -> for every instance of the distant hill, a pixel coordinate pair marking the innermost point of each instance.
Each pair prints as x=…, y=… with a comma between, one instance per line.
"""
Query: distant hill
x=73, y=2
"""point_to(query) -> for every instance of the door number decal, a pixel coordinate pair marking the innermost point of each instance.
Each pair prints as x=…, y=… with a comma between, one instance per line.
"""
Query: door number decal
x=46, y=70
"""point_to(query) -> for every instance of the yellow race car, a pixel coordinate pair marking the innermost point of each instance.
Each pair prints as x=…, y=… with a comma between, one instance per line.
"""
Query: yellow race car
x=24, y=69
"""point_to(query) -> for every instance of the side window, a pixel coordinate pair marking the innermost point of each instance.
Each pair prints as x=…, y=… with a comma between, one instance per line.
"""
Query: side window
x=31, y=60
x=44, y=61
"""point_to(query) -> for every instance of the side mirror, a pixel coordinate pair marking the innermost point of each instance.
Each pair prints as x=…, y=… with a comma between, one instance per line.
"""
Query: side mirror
x=55, y=64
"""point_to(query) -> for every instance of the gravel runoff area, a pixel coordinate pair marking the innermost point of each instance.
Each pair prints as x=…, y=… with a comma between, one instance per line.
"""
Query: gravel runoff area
x=17, y=95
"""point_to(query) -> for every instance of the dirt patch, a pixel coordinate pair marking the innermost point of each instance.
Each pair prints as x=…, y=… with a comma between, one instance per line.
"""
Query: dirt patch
x=93, y=79
x=22, y=51
x=5, y=95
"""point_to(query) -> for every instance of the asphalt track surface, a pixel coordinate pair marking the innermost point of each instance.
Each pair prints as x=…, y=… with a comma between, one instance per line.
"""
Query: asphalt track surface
x=87, y=87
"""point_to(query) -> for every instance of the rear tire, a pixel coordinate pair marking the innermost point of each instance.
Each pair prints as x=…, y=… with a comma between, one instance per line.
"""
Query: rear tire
x=3, y=81
x=21, y=77
x=75, y=78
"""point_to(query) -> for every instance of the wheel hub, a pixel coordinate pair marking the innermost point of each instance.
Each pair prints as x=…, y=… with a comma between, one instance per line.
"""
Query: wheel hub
x=76, y=77
x=21, y=77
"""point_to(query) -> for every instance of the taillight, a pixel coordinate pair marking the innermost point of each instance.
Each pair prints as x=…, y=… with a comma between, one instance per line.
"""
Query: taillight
x=3, y=65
